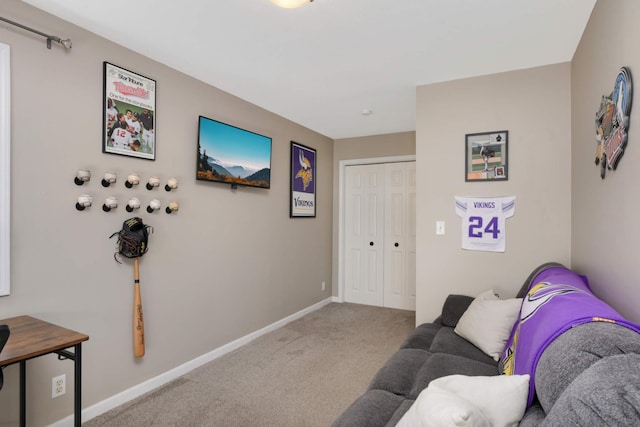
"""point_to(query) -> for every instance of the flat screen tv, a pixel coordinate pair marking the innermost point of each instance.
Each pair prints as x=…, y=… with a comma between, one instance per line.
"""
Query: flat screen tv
x=232, y=155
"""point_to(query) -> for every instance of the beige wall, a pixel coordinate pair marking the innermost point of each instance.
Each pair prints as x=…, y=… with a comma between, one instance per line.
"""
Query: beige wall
x=605, y=228
x=227, y=264
x=367, y=147
x=534, y=106
x=393, y=144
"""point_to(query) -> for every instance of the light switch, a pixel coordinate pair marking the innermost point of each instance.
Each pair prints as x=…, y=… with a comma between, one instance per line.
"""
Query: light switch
x=439, y=227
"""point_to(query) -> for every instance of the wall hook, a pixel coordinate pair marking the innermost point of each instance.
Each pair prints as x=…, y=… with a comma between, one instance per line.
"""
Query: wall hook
x=110, y=203
x=133, y=203
x=84, y=201
x=154, y=181
x=132, y=179
x=82, y=176
x=172, y=184
x=109, y=178
x=173, y=207
x=154, y=205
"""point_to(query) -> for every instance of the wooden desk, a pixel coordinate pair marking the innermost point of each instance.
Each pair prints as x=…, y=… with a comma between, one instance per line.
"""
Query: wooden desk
x=30, y=338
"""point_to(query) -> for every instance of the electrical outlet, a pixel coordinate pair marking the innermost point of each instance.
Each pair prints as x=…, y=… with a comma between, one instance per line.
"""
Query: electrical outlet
x=58, y=386
x=324, y=286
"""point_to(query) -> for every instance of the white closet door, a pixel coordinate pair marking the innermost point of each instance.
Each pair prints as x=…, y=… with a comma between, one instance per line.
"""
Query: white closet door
x=364, y=234
x=400, y=236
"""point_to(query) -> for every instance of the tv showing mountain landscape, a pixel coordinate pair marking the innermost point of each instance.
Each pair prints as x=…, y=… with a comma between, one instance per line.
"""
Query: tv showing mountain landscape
x=232, y=155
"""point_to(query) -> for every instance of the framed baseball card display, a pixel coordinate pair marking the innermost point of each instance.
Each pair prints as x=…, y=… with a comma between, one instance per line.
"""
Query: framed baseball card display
x=129, y=109
x=303, y=181
x=486, y=156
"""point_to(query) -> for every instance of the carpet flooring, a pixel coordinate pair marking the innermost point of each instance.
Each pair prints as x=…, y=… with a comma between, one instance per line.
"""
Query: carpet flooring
x=305, y=373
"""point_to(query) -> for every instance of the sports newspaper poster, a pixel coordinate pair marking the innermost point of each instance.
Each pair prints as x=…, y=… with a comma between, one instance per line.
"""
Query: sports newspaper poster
x=129, y=113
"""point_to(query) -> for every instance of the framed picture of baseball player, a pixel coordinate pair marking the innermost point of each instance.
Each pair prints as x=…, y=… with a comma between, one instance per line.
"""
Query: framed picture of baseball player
x=486, y=156
x=303, y=181
x=129, y=109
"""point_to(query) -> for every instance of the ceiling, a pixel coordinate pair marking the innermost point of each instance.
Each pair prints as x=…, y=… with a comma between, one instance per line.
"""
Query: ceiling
x=321, y=65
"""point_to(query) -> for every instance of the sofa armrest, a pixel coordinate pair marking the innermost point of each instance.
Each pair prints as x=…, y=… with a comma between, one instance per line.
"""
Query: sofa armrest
x=525, y=286
x=609, y=390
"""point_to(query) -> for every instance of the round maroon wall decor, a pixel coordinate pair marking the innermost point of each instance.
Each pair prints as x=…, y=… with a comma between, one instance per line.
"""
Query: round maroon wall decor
x=612, y=123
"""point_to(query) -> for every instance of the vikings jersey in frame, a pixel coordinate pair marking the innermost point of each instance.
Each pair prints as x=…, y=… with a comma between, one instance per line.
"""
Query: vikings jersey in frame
x=483, y=221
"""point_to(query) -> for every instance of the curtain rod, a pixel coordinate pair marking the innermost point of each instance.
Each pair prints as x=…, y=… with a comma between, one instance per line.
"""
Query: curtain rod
x=64, y=43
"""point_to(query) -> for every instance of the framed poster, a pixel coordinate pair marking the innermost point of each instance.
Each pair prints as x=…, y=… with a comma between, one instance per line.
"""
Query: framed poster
x=303, y=181
x=486, y=156
x=129, y=109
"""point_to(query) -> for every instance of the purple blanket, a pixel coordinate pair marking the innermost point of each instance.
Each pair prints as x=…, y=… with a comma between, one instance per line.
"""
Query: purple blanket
x=557, y=299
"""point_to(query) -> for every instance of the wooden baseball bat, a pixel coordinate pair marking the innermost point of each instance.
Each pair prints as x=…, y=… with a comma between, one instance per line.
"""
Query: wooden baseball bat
x=138, y=321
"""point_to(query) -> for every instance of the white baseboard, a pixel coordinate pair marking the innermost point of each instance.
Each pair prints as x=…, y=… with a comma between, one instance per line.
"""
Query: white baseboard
x=162, y=379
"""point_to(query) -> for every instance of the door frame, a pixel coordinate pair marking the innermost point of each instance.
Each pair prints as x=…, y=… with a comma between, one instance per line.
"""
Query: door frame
x=341, y=205
x=5, y=169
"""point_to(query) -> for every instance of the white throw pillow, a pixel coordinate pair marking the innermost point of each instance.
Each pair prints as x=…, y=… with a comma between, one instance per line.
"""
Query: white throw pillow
x=489, y=294
x=459, y=400
x=488, y=321
x=441, y=408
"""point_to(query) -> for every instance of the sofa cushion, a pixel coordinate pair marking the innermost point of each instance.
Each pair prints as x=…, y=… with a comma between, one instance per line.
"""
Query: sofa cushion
x=533, y=416
x=607, y=393
x=402, y=409
x=487, y=323
x=574, y=351
x=447, y=341
x=399, y=372
x=453, y=309
x=375, y=408
x=421, y=337
x=442, y=364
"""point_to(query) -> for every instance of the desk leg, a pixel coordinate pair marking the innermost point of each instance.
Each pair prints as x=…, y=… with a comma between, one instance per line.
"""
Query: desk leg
x=23, y=393
x=77, y=401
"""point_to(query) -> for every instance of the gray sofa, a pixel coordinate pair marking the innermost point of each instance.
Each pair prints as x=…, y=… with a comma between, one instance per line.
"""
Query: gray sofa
x=588, y=376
